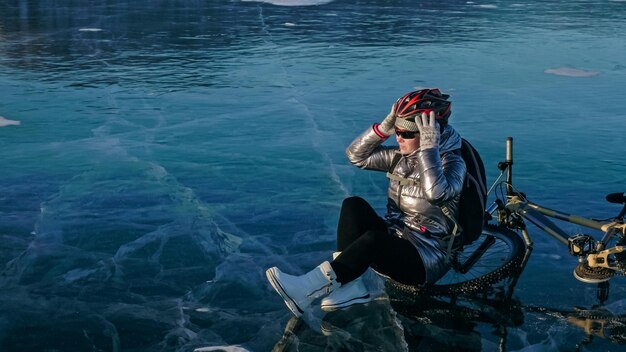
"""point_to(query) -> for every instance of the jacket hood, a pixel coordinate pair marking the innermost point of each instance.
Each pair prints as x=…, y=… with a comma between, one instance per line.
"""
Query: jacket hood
x=450, y=140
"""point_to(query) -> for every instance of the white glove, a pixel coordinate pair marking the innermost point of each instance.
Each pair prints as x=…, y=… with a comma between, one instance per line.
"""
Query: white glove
x=387, y=126
x=429, y=130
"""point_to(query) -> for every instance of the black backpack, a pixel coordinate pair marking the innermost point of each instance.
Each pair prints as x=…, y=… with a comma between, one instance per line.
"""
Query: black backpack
x=471, y=216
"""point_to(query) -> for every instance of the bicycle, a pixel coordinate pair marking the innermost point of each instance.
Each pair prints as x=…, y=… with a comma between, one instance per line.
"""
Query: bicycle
x=504, y=247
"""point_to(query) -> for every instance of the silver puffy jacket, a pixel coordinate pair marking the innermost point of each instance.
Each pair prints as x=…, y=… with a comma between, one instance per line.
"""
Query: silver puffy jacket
x=435, y=179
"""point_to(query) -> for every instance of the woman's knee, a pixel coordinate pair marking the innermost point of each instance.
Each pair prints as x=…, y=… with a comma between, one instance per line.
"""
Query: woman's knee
x=376, y=238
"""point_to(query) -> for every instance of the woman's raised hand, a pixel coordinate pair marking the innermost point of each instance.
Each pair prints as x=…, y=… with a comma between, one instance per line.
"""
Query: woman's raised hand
x=429, y=130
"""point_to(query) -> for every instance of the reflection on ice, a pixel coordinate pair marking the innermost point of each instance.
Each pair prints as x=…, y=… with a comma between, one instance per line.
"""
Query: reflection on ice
x=428, y=323
x=370, y=327
x=484, y=322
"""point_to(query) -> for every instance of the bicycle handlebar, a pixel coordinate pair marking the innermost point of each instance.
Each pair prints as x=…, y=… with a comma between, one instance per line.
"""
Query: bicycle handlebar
x=509, y=162
x=509, y=150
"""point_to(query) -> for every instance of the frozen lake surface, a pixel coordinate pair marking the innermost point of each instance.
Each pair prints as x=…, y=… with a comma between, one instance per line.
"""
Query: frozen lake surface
x=157, y=157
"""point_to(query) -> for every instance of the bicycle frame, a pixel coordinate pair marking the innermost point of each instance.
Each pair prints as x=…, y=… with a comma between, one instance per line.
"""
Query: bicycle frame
x=518, y=208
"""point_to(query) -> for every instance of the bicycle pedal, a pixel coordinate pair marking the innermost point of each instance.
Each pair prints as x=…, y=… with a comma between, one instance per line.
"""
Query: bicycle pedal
x=583, y=272
x=581, y=244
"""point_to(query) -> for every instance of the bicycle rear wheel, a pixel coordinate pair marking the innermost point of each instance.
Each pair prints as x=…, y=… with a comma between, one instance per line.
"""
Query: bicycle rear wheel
x=500, y=260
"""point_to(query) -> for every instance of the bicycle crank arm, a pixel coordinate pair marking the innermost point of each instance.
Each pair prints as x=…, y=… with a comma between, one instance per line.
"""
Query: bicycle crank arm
x=601, y=259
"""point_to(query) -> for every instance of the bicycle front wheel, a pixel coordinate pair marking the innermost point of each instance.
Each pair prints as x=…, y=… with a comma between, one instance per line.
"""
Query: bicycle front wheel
x=500, y=260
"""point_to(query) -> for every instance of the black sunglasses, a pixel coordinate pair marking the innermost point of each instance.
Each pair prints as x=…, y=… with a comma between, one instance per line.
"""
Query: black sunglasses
x=406, y=134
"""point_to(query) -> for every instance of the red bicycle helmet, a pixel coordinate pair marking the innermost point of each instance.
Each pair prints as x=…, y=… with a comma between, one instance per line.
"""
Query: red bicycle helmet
x=425, y=100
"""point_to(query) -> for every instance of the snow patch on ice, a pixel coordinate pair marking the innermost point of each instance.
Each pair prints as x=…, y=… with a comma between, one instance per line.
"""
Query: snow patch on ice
x=6, y=122
x=571, y=72
x=222, y=348
x=292, y=2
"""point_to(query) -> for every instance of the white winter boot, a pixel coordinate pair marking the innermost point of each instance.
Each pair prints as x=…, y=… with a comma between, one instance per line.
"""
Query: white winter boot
x=353, y=292
x=299, y=291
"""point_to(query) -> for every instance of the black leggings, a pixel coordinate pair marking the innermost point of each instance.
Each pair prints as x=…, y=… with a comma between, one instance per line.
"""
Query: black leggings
x=363, y=240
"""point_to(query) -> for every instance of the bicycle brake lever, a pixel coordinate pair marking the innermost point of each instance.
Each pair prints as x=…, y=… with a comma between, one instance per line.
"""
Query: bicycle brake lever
x=503, y=165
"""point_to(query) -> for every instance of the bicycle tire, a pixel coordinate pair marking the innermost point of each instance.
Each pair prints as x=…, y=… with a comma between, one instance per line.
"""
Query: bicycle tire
x=499, y=262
